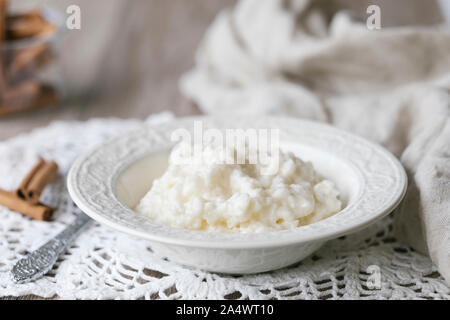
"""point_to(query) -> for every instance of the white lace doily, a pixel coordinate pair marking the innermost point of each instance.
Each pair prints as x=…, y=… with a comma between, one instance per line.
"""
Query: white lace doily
x=104, y=264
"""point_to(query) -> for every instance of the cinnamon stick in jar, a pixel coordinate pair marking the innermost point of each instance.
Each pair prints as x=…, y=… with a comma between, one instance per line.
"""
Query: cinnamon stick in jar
x=28, y=95
x=36, y=180
x=26, y=58
x=36, y=211
x=27, y=25
x=20, y=97
x=3, y=5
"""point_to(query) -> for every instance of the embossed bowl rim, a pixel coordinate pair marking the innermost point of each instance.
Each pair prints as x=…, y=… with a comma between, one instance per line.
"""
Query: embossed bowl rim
x=92, y=177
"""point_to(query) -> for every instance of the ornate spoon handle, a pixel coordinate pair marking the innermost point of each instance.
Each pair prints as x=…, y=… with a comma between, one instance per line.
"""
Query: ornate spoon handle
x=41, y=261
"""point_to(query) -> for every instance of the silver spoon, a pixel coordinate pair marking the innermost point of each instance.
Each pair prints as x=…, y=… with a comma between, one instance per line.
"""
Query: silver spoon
x=41, y=261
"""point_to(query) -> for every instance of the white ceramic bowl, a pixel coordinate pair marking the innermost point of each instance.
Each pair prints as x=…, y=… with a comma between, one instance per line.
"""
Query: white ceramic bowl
x=108, y=182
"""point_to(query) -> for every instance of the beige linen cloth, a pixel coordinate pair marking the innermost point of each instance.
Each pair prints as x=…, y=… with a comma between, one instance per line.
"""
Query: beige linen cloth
x=390, y=86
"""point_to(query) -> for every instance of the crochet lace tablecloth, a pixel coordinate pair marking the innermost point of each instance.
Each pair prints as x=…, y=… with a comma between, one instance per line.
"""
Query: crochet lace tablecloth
x=105, y=264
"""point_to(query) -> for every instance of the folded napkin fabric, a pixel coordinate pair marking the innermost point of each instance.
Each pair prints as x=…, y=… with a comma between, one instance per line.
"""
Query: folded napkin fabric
x=391, y=86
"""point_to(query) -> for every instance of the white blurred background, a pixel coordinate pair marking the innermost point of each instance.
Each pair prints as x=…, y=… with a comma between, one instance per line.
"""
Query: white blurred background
x=127, y=58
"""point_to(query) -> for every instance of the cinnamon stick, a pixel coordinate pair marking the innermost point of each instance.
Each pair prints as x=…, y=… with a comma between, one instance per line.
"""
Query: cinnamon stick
x=27, y=58
x=36, y=180
x=2, y=20
x=19, y=97
x=45, y=175
x=27, y=25
x=28, y=95
x=36, y=211
x=23, y=187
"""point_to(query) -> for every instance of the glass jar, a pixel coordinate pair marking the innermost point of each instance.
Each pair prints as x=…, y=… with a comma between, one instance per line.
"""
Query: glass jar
x=29, y=70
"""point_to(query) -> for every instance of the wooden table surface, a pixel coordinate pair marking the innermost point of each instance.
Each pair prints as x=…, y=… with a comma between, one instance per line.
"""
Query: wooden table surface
x=129, y=64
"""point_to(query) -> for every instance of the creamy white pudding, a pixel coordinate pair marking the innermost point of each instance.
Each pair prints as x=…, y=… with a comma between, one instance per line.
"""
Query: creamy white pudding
x=203, y=193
